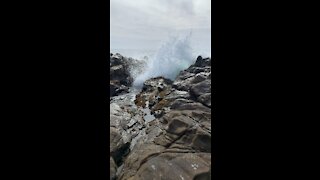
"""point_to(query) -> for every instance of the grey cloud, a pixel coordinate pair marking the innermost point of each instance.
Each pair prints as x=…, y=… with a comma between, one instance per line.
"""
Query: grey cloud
x=145, y=23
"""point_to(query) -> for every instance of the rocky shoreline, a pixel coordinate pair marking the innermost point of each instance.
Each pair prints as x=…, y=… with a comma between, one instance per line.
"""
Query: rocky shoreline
x=164, y=130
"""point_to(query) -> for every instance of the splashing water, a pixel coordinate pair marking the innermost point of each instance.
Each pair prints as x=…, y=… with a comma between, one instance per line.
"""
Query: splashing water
x=172, y=57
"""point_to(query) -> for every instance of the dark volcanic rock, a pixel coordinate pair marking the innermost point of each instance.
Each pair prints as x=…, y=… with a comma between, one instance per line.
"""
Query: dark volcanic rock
x=202, y=62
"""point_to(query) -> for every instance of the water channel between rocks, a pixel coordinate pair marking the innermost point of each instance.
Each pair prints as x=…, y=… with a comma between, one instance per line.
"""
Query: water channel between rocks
x=127, y=100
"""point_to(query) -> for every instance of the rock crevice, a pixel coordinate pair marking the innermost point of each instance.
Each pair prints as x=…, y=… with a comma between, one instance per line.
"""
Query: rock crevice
x=176, y=142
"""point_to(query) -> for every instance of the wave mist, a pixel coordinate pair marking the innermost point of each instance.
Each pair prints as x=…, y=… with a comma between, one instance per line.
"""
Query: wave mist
x=174, y=55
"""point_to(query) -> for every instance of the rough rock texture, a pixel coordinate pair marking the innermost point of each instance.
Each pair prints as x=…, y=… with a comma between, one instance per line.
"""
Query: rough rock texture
x=128, y=123
x=113, y=169
x=122, y=72
x=176, y=142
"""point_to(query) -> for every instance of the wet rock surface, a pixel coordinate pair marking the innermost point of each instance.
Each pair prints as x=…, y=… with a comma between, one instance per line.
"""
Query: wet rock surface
x=164, y=130
x=122, y=72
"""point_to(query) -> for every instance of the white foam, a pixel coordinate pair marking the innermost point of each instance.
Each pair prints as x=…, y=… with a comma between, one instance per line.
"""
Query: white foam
x=174, y=55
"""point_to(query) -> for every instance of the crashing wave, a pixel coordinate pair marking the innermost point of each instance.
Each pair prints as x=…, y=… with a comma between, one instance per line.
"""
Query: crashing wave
x=174, y=55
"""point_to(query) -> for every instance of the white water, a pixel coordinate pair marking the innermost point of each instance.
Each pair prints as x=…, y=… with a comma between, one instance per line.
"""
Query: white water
x=174, y=55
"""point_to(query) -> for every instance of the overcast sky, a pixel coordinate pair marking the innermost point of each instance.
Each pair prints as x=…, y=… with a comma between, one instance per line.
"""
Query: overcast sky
x=144, y=24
